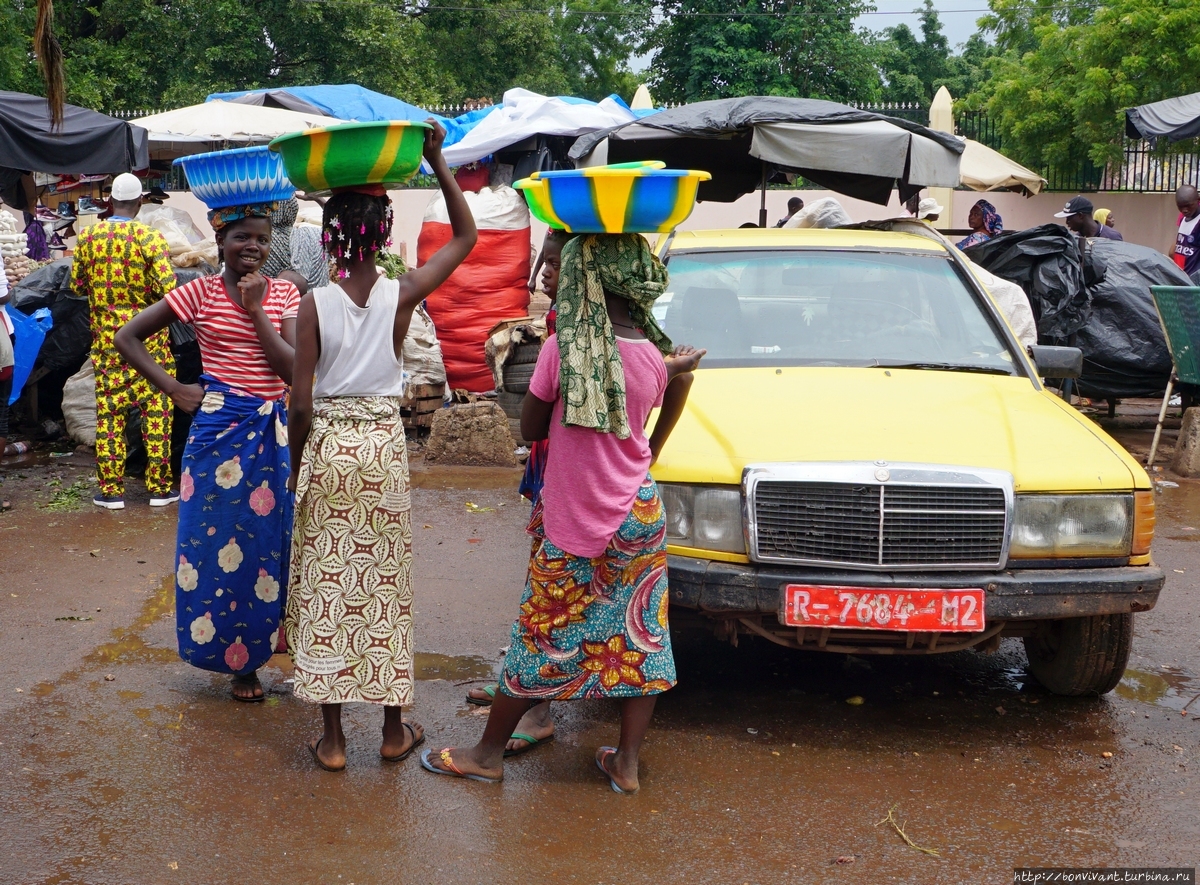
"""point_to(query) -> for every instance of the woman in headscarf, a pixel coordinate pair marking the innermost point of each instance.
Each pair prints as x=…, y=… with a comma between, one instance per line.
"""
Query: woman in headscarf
x=593, y=618
x=296, y=252
x=235, y=511
x=985, y=223
x=1105, y=217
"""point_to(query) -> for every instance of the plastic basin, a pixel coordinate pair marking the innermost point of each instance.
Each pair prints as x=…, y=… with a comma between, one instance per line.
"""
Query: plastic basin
x=628, y=198
x=353, y=154
x=237, y=177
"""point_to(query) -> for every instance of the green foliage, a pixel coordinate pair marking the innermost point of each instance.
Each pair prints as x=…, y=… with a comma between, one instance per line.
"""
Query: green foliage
x=18, y=70
x=913, y=69
x=1059, y=90
x=810, y=50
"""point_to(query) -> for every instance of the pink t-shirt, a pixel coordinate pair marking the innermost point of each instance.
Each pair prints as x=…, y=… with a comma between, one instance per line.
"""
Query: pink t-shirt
x=593, y=477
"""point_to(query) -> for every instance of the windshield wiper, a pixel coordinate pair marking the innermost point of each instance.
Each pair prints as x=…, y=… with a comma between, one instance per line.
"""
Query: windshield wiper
x=944, y=367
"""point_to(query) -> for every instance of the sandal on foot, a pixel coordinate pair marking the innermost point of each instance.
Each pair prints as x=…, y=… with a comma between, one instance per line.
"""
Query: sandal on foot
x=251, y=680
x=605, y=752
x=416, y=742
x=530, y=742
x=452, y=770
x=489, y=690
x=315, y=749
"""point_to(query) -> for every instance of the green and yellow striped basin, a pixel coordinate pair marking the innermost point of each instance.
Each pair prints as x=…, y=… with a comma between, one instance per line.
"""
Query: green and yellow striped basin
x=353, y=154
x=639, y=197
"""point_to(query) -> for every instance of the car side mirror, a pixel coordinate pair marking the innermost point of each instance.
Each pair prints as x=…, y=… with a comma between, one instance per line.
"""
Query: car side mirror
x=1056, y=362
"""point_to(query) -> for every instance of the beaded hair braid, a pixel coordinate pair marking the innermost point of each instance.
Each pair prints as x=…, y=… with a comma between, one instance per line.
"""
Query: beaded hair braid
x=355, y=225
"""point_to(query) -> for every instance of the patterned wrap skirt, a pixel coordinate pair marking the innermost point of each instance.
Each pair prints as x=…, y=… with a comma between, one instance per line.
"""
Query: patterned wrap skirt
x=235, y=524
x=595, y=628
x=349, y=608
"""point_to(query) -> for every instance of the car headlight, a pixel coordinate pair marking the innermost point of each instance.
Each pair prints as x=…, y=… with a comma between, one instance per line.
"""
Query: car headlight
x=706, y=517
x=1052, y=526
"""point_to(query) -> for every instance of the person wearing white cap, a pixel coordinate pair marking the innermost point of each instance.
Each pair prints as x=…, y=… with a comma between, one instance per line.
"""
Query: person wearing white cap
x=122, y=266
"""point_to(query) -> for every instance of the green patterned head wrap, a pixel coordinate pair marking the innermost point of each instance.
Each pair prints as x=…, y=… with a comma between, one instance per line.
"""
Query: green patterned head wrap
x=592, y=379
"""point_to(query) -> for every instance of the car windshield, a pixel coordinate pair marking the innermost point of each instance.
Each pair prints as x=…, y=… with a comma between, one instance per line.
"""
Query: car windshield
x=828, y=308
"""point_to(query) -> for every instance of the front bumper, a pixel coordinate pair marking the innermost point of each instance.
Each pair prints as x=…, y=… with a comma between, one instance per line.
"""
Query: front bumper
x=1014, y=595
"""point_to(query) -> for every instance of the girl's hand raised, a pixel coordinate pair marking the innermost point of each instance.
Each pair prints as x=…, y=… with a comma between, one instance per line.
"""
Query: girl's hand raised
x=434, y=138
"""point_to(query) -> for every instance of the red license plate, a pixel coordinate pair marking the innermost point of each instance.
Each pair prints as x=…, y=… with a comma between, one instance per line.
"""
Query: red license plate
x=900, y=609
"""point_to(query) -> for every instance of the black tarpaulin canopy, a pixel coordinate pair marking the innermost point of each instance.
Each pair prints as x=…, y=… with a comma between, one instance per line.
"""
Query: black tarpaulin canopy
x=1175, y=118
x=87, y=143
x=744, y=142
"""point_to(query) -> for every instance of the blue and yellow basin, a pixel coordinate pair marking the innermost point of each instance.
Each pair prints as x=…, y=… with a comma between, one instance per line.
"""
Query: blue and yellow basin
x=625, y=198
x=353, y=154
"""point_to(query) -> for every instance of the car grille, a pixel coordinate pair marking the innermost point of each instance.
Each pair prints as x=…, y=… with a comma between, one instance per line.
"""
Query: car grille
x=879, y=526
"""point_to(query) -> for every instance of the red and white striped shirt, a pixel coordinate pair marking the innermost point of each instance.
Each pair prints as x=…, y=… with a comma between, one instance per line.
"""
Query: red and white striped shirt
x=229, y=346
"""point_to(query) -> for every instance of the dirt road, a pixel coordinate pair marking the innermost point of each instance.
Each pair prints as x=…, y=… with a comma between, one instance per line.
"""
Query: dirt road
x=121, y=764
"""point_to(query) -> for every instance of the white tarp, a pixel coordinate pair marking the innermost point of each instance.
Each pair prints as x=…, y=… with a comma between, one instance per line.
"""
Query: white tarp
x=876, y=146
x=523, y=114
x=984, y=169
x=224, y=121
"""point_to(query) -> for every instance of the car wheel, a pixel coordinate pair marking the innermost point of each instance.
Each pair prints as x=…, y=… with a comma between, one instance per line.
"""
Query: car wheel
x=1081, y=656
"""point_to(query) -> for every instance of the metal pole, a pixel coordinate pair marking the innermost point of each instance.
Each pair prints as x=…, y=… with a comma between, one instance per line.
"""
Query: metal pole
x=762, y=209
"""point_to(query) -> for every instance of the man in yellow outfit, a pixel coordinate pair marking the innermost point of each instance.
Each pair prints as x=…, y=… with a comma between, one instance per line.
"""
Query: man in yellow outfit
x=122, y=266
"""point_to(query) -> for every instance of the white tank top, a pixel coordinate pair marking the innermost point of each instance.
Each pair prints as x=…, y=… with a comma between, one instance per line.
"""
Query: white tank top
x=358, y=357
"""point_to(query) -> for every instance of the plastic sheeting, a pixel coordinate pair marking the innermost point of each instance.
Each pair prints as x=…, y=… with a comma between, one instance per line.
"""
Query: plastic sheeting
x=1045, y=262
x=824, y=213
x=30, y=334
x=88, y=142
x=1095, y=295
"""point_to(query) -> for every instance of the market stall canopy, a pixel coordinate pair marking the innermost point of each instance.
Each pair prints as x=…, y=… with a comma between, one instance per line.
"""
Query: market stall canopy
x=524, y=114
x=87, y=143
x=739, y=140
x=346, y=101
x=216, y=124
x=984, y=169
x=1176, y=118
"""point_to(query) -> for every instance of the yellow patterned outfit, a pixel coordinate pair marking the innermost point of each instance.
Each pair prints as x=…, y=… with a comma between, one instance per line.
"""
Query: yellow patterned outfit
x=123, y=267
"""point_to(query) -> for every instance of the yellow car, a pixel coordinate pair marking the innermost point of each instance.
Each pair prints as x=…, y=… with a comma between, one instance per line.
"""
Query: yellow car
x=869, y=463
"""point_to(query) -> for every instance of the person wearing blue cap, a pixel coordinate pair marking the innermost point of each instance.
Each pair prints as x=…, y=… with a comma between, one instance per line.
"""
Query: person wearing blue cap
x=1079, y=214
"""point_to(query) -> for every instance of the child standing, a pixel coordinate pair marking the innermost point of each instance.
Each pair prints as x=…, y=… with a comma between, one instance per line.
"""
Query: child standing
x=349, y=606
x=593, y=618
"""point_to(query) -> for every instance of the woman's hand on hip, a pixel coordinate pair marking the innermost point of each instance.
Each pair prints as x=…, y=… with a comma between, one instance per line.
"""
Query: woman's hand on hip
x=188, y=397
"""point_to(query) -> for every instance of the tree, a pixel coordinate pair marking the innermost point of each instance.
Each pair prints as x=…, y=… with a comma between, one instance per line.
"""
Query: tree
x=705, y=49
x=1062, y=101
x=913, y=69
x=595, y=40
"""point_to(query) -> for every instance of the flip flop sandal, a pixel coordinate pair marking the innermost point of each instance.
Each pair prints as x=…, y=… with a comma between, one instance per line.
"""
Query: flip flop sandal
x=530, y=740
x=251, y=681
x=605, y=752
x=314, y=749
x=412, y=748
x=490, y=691
x=453, y=771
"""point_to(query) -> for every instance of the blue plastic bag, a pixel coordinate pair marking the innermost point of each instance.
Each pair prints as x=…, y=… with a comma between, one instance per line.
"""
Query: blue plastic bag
x=31, y=331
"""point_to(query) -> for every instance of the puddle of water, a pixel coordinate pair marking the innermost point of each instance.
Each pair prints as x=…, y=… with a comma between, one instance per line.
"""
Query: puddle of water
x=42, y=689
x=449, y=477
x=427, y=665
x=127, y=645
x=1169, y=688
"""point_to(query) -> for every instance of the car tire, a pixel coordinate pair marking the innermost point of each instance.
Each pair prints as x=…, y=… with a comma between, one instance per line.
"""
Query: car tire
x=511, y=403
x=1081, y=656
x=517, y=377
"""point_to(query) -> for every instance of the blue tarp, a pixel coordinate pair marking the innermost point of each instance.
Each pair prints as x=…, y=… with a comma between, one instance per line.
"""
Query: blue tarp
x=347, y=101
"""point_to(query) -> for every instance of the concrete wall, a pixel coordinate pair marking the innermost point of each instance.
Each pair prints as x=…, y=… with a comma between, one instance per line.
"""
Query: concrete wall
x=1148, y=219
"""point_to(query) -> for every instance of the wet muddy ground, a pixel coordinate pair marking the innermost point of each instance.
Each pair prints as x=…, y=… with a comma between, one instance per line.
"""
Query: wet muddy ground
x=120, y=764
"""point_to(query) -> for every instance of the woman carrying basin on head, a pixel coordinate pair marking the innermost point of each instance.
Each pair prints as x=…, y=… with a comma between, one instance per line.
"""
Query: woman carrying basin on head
x=349, y=607
x=593, y=617
x=235, y=512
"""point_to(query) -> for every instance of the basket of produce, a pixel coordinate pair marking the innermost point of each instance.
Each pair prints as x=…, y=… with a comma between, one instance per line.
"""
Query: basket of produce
x=624, y=198
x=237, y=177
x=353, y=154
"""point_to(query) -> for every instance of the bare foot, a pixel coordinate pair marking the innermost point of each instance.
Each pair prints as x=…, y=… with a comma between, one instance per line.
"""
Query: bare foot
x=247, y=688
x=330, y=754
x=466, y=763
x=400, y=741
x=621, y=771
x=536, y=723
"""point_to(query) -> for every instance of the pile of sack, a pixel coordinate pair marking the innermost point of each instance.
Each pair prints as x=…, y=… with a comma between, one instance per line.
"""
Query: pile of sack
x=13, y=241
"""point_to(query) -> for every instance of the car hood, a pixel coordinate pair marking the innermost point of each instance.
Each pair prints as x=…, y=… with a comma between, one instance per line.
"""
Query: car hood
x=736, y=417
